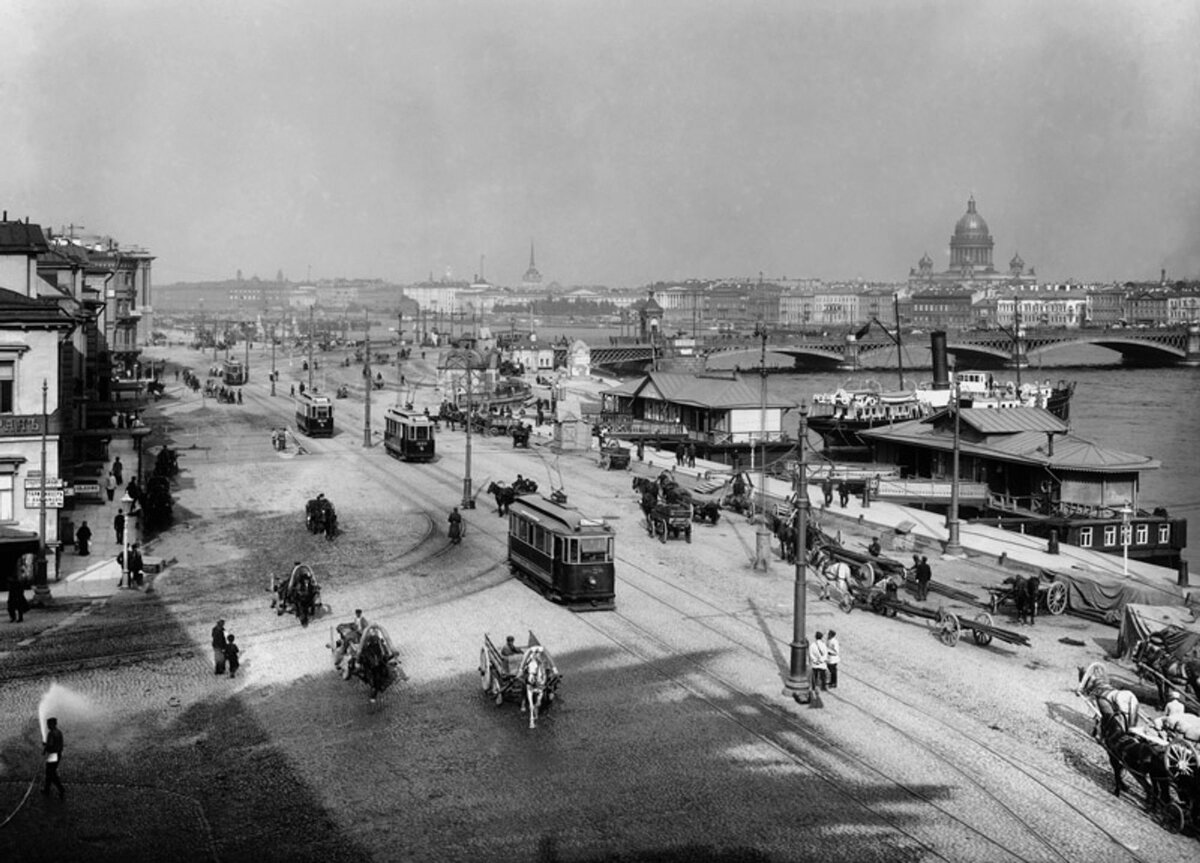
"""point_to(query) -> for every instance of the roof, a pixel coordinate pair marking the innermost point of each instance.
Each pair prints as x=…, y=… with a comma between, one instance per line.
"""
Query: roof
x=702, y=391
x=22, y=238
x=1012, y=420
x=18, y=309
x=1070, y=453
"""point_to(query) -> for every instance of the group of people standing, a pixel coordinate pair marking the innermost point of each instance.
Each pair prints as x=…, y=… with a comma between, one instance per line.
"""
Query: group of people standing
x=824, y=656
x=225, y=650
x=685, y=456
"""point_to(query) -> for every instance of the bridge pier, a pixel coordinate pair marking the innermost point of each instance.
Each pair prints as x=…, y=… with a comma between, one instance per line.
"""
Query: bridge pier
x=849, y=361
x=1192, y=356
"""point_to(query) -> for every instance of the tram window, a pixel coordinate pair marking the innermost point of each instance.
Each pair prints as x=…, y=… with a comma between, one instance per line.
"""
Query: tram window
x=593, y=549
x=420, y=433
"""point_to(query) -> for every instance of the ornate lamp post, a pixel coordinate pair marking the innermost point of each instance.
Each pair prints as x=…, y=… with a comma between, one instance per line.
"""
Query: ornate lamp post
x=370, y=383
x=273, y=374
x=130, y=521
x=762, y=537
x=1126, y=530
x=466, y=358
x=797, y=684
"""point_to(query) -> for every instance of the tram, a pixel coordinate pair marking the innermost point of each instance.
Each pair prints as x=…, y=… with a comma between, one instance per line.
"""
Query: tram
x=408, y=436
x=233, y=373
x=567, y=557
x=314, y=415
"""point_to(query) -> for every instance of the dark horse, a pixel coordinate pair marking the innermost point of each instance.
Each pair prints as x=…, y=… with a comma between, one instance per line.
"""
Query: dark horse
x=1128, y=751
x=1025, y=595
x=374, y=662
x=1180, y=673
x=504, y=495
x=298, y=593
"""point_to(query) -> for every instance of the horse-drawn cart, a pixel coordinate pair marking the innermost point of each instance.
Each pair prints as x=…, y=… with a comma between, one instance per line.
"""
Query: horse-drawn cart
x=297, y=592
x=670, y=519
x=368, y=655
x=614, y=457
x=1052, y=595
x=528, y=675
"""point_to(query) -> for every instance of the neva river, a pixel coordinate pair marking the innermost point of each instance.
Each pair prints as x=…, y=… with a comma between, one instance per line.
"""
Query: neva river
x=1154, y=412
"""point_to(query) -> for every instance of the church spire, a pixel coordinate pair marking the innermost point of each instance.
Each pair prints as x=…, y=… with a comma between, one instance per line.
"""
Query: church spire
x=532, y=276
x=531, y=266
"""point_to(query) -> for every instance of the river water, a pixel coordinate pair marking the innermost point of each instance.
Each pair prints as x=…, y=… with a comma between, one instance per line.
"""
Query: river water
x=1154, y=412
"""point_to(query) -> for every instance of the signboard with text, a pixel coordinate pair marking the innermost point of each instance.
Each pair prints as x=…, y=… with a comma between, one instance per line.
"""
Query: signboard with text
x=19, y=425
x=33, y=498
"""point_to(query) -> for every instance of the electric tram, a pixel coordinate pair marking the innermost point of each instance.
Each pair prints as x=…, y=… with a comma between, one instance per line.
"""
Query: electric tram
x=408, y=436
x=567, y=557
x=233, y=373
x=314, y=415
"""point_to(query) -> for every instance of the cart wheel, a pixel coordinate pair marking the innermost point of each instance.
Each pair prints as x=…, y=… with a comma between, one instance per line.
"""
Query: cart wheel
x=485, y=671
x=1180, y=760
x=1056, y=598
x=981, y=637
x=1174, y=818
x=995, y=602
x=950, y=628
x=867, y=572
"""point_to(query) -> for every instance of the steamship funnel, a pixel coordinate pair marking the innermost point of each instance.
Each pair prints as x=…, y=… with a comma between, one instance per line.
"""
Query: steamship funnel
x=941, y=370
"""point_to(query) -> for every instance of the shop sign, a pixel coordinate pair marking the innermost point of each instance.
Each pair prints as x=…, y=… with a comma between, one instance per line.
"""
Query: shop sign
x=33, y=498
x=19, y=425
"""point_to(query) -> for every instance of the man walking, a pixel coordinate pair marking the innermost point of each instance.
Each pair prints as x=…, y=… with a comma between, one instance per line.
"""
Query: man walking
x=136, y=564
x=833, y=651
x=924, y=574
x=110, y=486
x=219, y=643
x=118, y=471
x=52, y=751
x=83, y=539
x=827, y=490
x=119, y=525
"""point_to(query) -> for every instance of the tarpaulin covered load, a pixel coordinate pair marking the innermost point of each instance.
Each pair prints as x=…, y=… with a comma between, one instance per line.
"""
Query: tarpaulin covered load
x=1179, y=629
x=1102, y=597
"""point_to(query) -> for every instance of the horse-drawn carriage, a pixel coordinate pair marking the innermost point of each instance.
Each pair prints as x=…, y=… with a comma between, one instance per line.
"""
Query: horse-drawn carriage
x=1155, y=662
x=368, y=655
x=520, y=435
x=664, y=499
x=505, y=494
x=613, y=456
x=321, y=517
x=670, y=519
x=297, y=592
x=528, y=675
x=1162, y=758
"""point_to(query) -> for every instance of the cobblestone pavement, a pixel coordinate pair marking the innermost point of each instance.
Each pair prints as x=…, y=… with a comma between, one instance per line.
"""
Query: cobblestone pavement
x=671, y=740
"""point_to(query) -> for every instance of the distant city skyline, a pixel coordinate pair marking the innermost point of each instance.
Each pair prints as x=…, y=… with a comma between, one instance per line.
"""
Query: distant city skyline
x=633, y=143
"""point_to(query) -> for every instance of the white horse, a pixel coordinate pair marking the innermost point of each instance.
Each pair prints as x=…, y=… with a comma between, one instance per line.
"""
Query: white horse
x=834, y=573
x=1109, y=700
x=534, y=674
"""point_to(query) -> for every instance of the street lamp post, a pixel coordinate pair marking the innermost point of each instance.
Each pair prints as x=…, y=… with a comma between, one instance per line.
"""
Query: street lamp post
x=272, y=359
x=953, y=546
x=41, y=587
x=797, y=684
x=1126, y=530
x=762, y=537
x=468, y=357
x=370, y=383
x=130, y=520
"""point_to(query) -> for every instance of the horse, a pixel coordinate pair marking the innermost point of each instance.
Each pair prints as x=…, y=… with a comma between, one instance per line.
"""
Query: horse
x=1179, y=673
x=535, y=674
x=1129, y=751
x=374, y=661
x=834, y=573
x=1109, y=700
x=1025, y=595
x=706, y=511
x=504, y=495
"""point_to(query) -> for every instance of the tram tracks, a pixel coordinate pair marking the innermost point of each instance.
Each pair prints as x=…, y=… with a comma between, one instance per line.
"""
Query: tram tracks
x=932, y=744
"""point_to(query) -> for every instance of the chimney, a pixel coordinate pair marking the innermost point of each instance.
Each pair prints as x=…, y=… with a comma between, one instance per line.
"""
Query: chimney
x=1049, y=443
x=941, y=370
x=5, y=219
x=1162, y=278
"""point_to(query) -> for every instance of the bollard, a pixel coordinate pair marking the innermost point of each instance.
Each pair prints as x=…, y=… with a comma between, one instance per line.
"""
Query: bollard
x=1003, y=558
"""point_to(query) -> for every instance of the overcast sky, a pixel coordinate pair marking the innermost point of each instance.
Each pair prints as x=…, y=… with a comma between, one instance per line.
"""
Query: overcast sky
x=631, y=141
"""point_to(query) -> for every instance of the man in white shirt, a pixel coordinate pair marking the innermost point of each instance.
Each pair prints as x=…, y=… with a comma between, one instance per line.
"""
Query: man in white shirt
x=818, y=661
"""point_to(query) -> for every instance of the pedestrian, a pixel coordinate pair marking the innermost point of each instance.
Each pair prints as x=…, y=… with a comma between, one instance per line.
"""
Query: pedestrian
x=924, y=574
x=691, y=455
x=231, y=656
x=359, y=621
x=136, y=575
x=679, y=453
x=119, y=525
x=293, y=392
x=52, y=749
x=17, y=603
x=641, y=450
x=827, y=490
x=110, y=486
x=818, y=663
x=135, y=492
x=218, y=643
x=833, y=649
x=843, y=490
x=874, y=549
x=83, y=538
x=118, y=470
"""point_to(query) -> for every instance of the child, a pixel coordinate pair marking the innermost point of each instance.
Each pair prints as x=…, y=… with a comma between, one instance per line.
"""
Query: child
x=231, y=656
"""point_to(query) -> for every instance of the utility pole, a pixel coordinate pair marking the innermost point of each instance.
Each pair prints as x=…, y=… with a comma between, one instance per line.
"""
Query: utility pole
x=797, y=684
x=762, y=537
x=370, y=383
x=272, y=358
x=953, y=546
x=899, y=337
x=311, y=337
x=41, y=587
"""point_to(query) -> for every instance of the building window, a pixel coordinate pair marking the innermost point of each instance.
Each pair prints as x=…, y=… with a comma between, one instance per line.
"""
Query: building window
x=1164, y=534
x=1110, y=536
x=1143, y=534
x=8, y=378
x=6, y=497
x=1085, y=537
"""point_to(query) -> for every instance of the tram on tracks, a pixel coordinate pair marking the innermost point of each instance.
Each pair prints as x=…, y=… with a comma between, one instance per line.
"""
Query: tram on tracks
x=314, y=415
x=568, y=557
x=408, y=436
x=234, y=373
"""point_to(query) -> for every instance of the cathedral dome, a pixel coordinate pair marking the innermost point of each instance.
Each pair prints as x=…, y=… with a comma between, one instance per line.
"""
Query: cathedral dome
x=971, y=225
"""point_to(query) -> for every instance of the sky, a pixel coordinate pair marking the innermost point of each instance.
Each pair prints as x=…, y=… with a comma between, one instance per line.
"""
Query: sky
x=631, y=142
